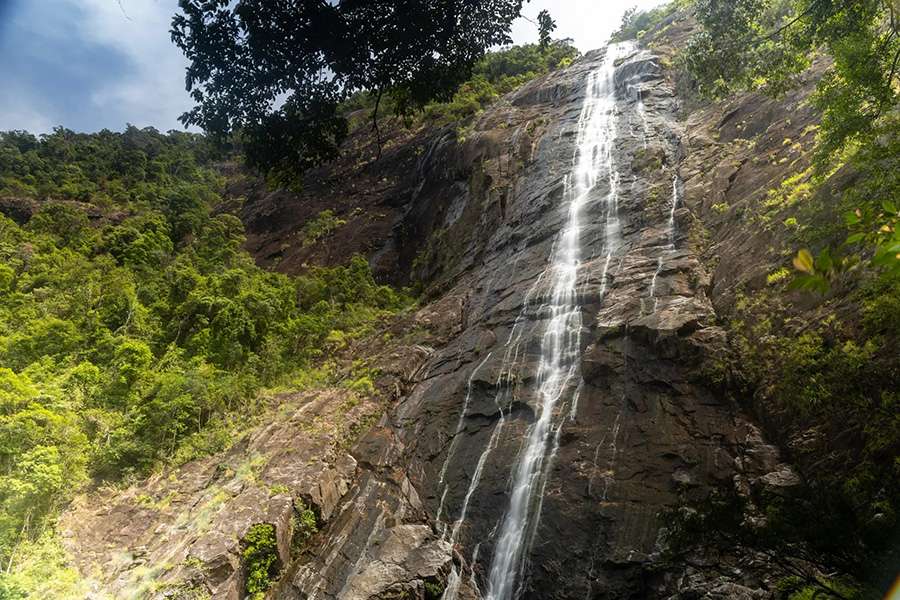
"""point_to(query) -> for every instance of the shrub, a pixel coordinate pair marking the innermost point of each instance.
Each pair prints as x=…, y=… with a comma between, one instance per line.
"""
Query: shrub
x=305, y=526
x=260, y=555
x=635, y=22
x=322, y=226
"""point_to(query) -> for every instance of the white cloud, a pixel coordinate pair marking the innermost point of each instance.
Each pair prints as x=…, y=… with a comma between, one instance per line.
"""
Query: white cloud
x=588, y=22
x=154, y=94
x=18, y=114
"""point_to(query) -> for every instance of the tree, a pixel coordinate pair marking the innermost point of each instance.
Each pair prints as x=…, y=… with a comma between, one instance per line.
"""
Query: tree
x=765, y=44
x=546, y=26
x=276, y=71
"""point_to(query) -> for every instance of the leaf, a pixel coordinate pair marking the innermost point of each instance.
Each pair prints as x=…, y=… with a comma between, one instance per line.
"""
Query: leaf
x=885, y=259
x=856, y=237
x=851, y=217
x=815, y=283
x=892, y=248
x=804, y=261
x=824, y=262
x=889, y=207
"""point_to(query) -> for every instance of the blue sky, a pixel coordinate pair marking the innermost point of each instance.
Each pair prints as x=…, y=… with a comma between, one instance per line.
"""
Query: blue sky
x=94, y=64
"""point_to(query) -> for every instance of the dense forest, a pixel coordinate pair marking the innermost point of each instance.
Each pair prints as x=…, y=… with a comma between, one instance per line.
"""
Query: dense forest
x=136, y=330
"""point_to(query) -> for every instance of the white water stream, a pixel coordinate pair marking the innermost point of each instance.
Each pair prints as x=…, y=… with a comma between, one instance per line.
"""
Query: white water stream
x=560, y=342
x=670, y=247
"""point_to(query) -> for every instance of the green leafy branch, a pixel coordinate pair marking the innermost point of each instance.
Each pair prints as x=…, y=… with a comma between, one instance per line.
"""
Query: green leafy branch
x=871, y=227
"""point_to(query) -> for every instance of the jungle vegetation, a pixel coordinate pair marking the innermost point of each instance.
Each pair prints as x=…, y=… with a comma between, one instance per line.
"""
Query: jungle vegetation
x=836, y=376
x=135, y=331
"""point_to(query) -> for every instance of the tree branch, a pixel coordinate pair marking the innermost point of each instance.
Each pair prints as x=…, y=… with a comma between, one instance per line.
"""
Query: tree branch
x=796, y=19
x=375, y=123
x=893, y=67
x=792, y=22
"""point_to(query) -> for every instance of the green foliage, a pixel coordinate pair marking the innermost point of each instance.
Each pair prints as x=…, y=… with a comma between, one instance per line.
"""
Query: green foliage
x=840, y=382
x=736, y=48
x=546, y=26
x=42, y=571
x=815, y=273
x=322, y=226
x=247, y=57
x=836, y=382
x=870, y=213
x=362, y=385
x=260, y=556
x=766, y=44
x=635, y=23
x=873, y=215
x=433, y=590
x=10, y=591
x=798, y=590
x=305, y=526
x=134, y=329
x=468, y=100
x=137, y=166
x=497, y=73
x=778, y=276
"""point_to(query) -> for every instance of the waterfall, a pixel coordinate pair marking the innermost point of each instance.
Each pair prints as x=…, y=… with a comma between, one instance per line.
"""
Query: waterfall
x=460, y=425
x=451, y=590
x=670, y=235
x=560, y=341
x=502, y=385
x=670, y=226
x=640, y=109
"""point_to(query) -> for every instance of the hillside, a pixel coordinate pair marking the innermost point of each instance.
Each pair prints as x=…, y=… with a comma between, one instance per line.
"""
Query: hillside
x=581, y=331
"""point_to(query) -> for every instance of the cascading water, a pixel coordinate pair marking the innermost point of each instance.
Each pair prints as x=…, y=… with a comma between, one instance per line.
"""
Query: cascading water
x=670, y=234
x=560, y=342
x=635, y=91
x=460, y=425
x=670, y=225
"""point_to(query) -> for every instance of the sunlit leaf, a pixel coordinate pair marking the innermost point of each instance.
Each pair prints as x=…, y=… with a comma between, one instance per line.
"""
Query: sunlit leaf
x=804, y=261
x=851, y=218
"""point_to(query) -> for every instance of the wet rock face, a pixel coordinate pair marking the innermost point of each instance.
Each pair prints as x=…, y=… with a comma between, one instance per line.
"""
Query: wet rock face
x=419, y=499
x=642, y=432
x=639, y=430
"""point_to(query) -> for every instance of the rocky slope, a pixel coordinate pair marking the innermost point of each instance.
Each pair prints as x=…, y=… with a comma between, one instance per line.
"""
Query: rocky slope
x=413, y=505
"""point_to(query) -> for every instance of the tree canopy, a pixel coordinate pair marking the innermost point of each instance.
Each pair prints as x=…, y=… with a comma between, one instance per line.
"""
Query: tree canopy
x=135, y=330
x=546, y=26
x=276, y=71
x=766, y=44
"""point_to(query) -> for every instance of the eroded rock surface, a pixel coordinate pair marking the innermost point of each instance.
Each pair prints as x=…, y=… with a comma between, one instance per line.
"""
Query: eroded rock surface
x=179, y=534
x=417, y=500
x=646, y=431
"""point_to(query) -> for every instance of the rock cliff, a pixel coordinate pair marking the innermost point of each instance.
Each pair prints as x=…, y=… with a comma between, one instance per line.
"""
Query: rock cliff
x=413, y=506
